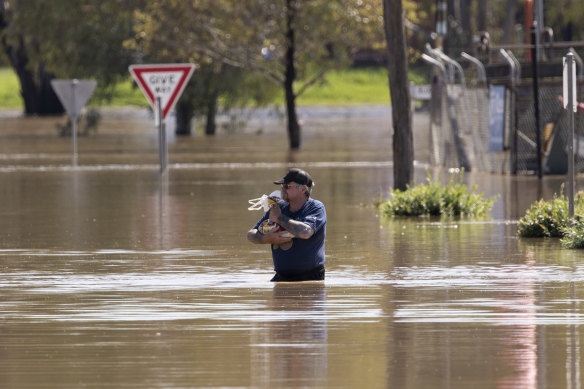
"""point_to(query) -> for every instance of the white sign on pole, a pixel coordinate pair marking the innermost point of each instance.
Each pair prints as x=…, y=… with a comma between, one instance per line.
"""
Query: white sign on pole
x=164, y=81
x=162, y=85
x=569, y=88
x=421, y=92
x=73, y=94
x=496, y=117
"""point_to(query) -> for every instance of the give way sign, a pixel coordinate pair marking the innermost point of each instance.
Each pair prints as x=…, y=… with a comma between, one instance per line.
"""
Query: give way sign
x=164, y=81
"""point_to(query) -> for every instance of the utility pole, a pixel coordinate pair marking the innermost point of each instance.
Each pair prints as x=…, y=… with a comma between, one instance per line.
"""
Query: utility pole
x=441, y=26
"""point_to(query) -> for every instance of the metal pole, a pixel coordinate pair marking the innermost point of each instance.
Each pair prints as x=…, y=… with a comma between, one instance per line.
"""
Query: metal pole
x=441, y=26
x=74, y=121
x=436, y=114
x=538, y=17
x=512, y=103
x=161, y=137
x=571, y=103
x=534, y=66
x=482, y=74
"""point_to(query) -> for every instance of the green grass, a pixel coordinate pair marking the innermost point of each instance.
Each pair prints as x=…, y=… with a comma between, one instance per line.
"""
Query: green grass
x=343, y=87
x=9, y=89
x=353, y=86
x=127, y=93
x=124, y=94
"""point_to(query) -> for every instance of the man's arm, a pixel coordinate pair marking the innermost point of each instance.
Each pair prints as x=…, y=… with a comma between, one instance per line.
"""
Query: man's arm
x=254, y=236
x=296, y=228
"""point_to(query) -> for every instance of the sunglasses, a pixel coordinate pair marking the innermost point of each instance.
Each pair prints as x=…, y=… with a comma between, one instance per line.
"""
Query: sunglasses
x=288, y=186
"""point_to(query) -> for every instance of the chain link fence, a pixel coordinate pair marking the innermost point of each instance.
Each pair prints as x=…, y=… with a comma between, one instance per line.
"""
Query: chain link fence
x=468, y=131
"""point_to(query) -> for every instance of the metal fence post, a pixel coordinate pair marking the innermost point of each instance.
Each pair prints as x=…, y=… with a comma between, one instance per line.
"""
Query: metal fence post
x=535, y=78
x=513, y=117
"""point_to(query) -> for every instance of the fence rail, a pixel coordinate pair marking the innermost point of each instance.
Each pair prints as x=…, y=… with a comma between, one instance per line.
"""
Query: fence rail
x=465, y=130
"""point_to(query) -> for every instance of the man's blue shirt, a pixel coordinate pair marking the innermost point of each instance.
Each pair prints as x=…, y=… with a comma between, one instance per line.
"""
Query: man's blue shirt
x=305, y=254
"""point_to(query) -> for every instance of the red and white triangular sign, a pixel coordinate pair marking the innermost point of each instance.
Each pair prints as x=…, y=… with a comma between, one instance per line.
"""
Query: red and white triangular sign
x=166, y=81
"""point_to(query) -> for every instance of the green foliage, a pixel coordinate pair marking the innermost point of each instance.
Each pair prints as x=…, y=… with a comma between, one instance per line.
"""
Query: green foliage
x=9, y=89
x=73, y=38
x=339, y=87
x=453, y=199
x=550, y=219
x=574, y=235
x=545, y=219
x=564, y=16
x=350, y=86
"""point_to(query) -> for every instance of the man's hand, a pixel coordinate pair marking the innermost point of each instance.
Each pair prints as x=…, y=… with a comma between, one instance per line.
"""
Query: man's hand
x=275, y=213
x=296, y=228
x=275, y=238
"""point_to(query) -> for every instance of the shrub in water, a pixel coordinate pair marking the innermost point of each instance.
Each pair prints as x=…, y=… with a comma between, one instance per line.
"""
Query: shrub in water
x=432, y=199
x=545, y=219
x=550, y=219
x=574, y=235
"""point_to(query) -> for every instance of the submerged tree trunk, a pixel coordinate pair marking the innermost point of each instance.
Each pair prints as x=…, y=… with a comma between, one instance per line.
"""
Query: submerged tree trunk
x=37, y=93
x=211, y=123
x=397, y=66
x=290, y=77
x=184, y=114
x=48, y=101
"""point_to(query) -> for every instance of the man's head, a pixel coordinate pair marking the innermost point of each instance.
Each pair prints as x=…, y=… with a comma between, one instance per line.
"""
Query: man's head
x=295, y=179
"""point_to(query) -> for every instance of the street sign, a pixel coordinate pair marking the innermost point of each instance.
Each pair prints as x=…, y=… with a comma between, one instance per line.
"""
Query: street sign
x=162, y=85
x=496, y=117
x=162, y=82
x=421, y=92
x=73, y=94
x=569, y=82
x=570, y=103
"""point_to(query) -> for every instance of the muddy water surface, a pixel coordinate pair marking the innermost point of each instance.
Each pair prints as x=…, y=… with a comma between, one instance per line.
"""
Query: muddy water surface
x=115, y=277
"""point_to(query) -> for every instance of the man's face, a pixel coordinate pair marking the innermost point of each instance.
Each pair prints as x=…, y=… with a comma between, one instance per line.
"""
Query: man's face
x=292, y=191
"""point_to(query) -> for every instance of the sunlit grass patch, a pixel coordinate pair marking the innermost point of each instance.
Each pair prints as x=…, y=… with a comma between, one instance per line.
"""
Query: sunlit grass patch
x=349, y=86
x=10, y=96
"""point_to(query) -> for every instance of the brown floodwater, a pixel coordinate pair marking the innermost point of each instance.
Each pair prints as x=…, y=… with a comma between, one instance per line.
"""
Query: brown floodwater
x=113, y=276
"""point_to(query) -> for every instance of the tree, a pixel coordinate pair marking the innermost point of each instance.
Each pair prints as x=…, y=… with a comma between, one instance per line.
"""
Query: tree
x=177, y=31
x=212, y=82
x=21, y=49
x=565, y=18
x=48, y=38
x=292, y=44
x=403, y=150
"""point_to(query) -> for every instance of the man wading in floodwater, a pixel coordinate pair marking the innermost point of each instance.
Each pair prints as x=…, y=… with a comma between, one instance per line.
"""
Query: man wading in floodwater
x=301, y=256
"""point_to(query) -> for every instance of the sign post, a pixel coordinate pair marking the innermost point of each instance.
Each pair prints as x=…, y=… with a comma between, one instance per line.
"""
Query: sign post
x=570, y=103
x=162, y=85
x=73, y=94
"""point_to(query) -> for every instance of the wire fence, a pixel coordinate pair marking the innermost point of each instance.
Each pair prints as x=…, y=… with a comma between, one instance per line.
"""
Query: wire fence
x=490, y=124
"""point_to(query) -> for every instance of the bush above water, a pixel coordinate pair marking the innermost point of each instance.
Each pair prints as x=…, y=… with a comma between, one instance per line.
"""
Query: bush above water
x=545, y=219
x=453, y=199
x=550, y=219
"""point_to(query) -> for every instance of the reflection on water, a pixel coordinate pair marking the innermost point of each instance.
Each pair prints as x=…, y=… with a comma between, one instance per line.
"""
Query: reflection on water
x=293, y=349
x=115, y=277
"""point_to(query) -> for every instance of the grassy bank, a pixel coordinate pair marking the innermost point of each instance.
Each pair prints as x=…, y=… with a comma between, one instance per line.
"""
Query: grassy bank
x=344, y=87
x=9, y=89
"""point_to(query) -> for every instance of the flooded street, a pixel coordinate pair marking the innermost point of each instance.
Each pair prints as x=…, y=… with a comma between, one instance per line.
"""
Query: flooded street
x=113, y=276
